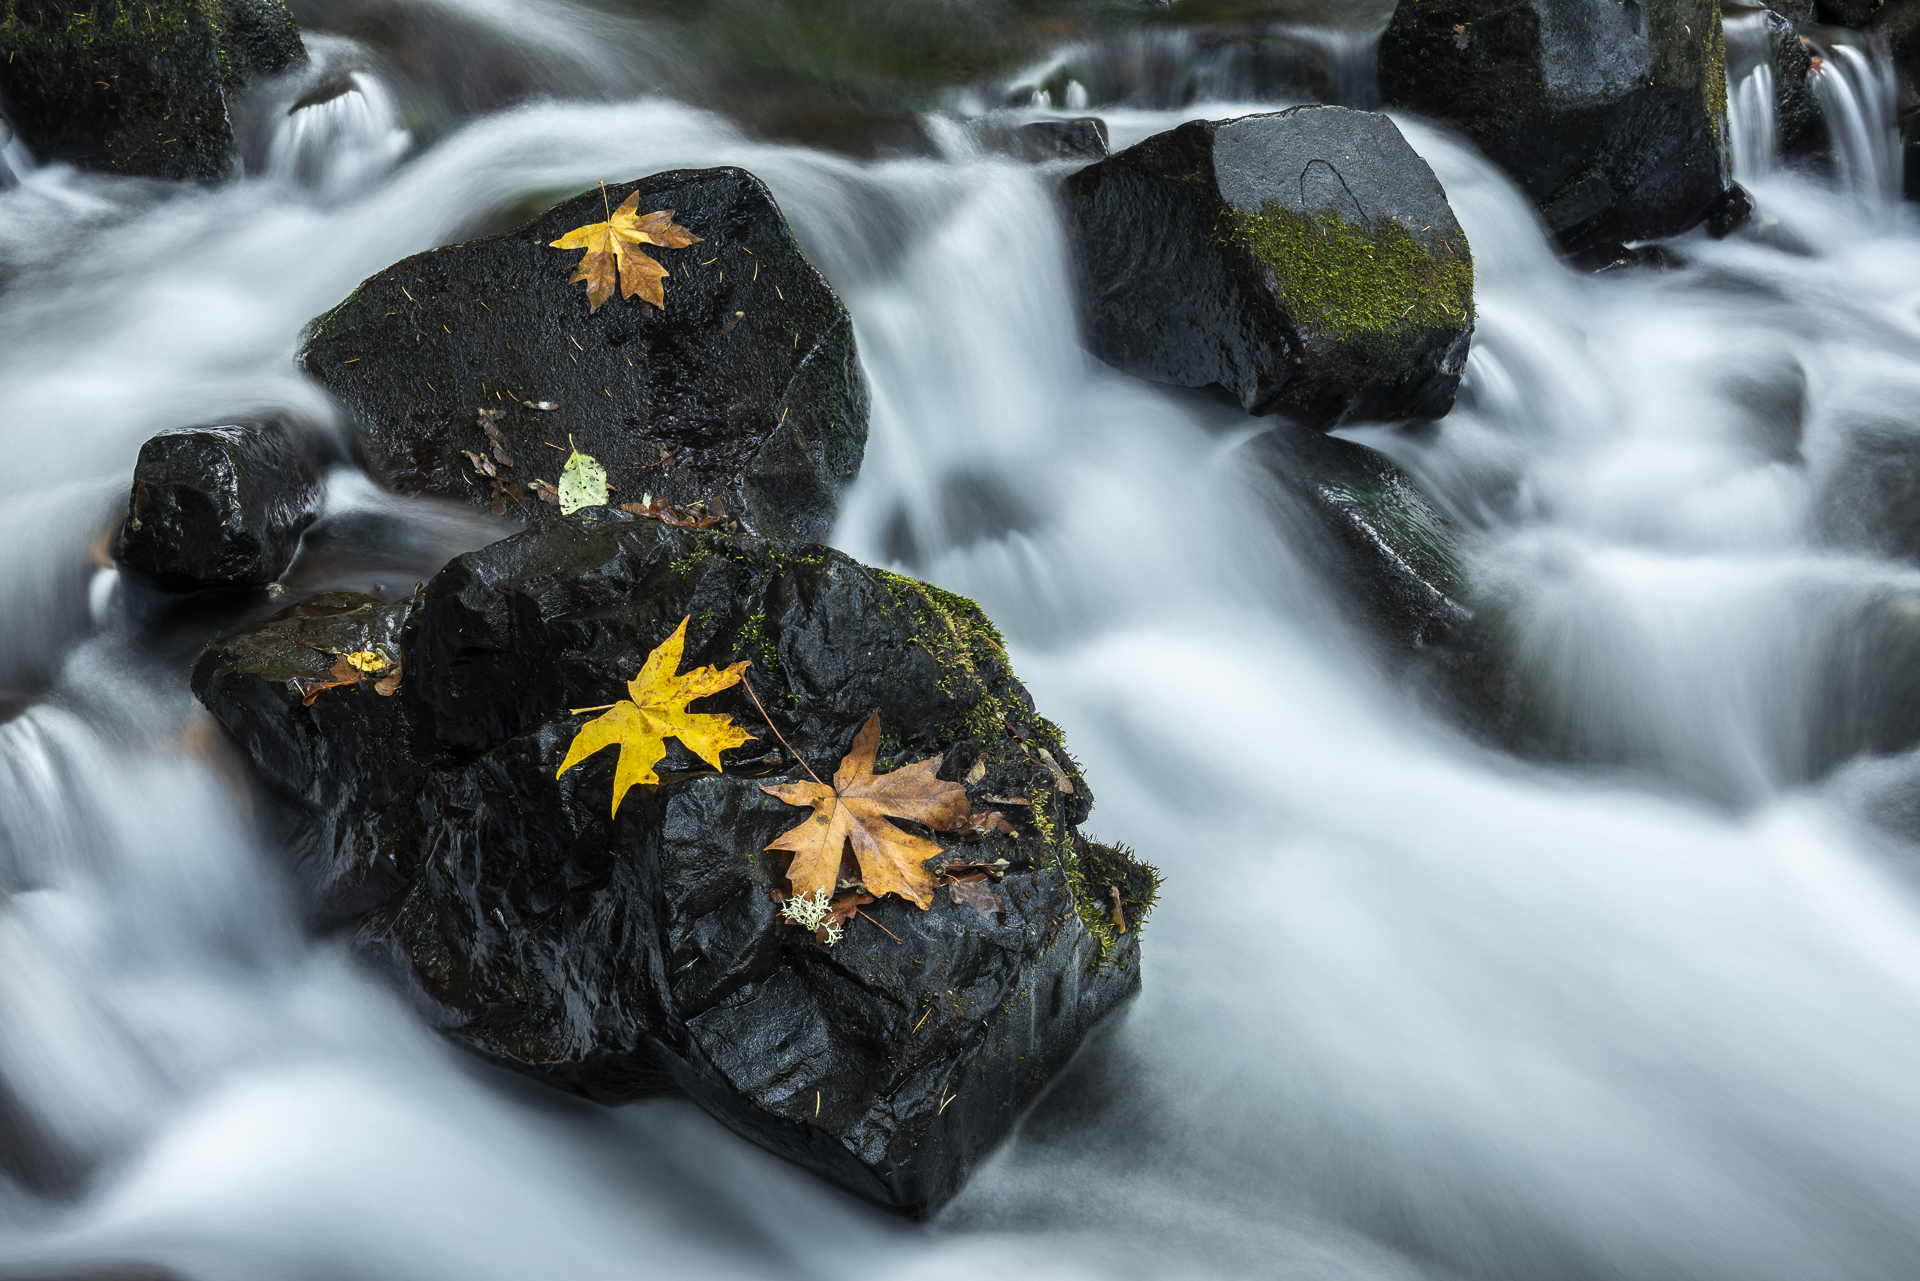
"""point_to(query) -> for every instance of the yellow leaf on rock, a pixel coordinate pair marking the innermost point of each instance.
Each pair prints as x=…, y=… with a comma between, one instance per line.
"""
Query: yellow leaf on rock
x=855, y=809
x=366, y=661
x=612, y=250
x=583, y=483
x=657, y=712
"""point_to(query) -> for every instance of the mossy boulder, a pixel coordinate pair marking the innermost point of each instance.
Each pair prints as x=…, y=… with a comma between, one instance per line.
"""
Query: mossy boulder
x=137, y=87
x=1609, y=116
x=1306, y=261
x=746, y=386
x=622, y=955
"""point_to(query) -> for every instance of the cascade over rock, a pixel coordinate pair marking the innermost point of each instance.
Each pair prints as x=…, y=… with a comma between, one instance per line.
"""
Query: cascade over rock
x=220, y=506
x=746, y=387
x=137, y=87
x=1609, y=116
x=623, y=956
x=1305, y=260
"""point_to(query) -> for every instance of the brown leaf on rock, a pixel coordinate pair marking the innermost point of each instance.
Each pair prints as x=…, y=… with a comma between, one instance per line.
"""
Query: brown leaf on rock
x=972, y=890
x=855, y=810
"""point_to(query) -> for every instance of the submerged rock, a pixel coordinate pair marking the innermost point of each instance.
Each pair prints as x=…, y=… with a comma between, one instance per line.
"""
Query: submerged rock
x=220, y=506
x=746, y=387
x=1306, y=261
x=645, y=952
x=1083, y=139
x=1609, y=116
x=1393, y=559
x=138, y=87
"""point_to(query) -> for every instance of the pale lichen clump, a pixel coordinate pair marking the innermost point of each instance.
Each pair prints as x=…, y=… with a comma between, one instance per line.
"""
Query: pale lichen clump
x=813, y=912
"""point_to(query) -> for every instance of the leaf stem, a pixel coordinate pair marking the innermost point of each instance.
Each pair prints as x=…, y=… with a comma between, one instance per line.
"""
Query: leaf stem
x=603, y=200
x=890, y=934
x=580, y=711
x=777, y=734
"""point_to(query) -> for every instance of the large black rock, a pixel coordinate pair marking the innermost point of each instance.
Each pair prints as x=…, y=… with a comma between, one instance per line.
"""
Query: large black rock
x=1608, y=115
x=621, y=956
x=220, y=506
x=1306, y=261
x=139, y=87
x=746, y=386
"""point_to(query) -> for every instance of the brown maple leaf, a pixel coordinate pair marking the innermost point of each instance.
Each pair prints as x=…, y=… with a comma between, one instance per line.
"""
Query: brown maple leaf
x=856, y=809
x=972, y=890
x=613, y=248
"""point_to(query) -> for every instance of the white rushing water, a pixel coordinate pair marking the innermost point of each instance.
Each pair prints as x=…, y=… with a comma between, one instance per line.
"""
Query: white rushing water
x=1412, y=1009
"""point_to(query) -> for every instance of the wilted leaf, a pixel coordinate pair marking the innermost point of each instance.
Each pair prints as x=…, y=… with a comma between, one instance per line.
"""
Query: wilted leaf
x=855, y=809
x=613, y=249
x=657, y=712
x=583, y=483
x=1060, y=779
x=972, y=890
x=366, y=661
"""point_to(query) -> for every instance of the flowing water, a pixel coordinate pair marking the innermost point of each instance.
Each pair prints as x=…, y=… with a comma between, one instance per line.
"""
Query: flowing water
x=1413, y=1008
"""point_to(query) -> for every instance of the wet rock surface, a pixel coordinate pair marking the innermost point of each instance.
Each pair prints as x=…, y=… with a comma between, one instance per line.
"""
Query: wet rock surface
x=643, y=952
x=746, y=387
x=1306, y=261
x=1083, y=139
x=1393, y=558
x=222, y=506
x=134, y=87
x=1608, y=116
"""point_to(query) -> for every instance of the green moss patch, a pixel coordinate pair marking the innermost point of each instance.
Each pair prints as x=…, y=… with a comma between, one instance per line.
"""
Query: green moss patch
x=1345, y=283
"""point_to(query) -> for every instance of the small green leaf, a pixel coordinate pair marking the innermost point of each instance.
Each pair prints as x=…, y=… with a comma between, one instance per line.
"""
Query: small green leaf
x=583, y=482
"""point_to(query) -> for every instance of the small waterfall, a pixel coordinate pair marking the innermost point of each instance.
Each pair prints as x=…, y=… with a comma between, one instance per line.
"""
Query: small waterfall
x=1753, y=130
x=1175, y=67
x=339, y=137
x=1858, y=96
x=16, y=162
x=1753, y=133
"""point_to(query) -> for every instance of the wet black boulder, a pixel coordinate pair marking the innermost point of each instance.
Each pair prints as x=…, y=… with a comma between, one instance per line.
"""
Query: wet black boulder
x=622, y=955
x=220, y=507
x=746, y=387
x=1608, y=115
x=1306, y=261
x=138, y=87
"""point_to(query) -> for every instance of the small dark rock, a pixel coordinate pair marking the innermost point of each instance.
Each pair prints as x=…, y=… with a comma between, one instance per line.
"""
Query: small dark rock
x=13, y=704
x=1609, y=116
x=1599, y=258
x=1084, y=140
x=746, y=386
x=1729, y=212
x=220, y=507
x=617, y=957
x=1306, y=261
x=139, y=87
x=1796, y=109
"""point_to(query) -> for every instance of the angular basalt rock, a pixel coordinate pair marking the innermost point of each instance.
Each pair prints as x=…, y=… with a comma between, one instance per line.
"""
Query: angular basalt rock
x=746, y=387
x=138, y=87
x=1083, y=139
x=220, y=506
x=1609, y=116
x=1306, y=261
x=617, y=956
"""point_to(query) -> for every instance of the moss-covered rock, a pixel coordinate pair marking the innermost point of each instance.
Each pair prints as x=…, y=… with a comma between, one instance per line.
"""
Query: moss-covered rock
x=134, y=87
x=1306, y=261
x=746, y=386
x=622, y=955
x=1609, y=116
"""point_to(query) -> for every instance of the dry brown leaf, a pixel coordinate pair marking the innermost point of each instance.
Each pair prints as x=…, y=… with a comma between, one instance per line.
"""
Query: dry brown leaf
x=855, y=809
x=972, y=890
x=613, y=250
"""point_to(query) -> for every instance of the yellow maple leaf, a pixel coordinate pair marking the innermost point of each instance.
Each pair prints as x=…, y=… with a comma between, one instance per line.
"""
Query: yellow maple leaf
x=855, y=809
x=613, y=246
x=658, y=712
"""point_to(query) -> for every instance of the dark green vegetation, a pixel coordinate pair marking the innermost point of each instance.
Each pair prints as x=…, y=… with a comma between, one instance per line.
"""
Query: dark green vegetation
x=134, y=87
